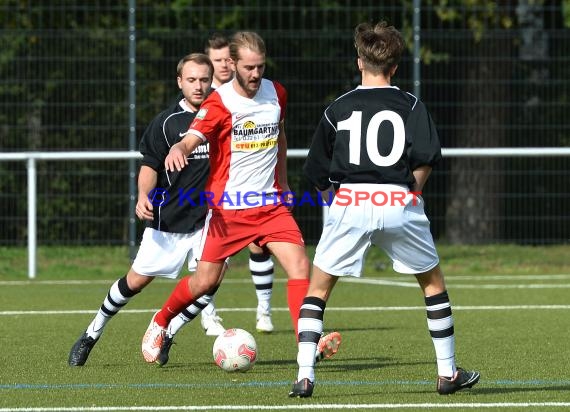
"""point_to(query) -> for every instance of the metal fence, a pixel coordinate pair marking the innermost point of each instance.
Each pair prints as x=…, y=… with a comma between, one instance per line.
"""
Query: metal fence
x=82, y=76
x=32, y=159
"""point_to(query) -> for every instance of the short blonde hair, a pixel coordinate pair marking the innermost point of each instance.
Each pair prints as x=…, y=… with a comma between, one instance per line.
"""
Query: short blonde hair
x=246, y=40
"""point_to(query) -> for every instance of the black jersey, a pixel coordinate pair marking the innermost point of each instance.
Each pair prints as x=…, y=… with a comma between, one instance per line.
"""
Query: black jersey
x=372, y=135
x=182, y=209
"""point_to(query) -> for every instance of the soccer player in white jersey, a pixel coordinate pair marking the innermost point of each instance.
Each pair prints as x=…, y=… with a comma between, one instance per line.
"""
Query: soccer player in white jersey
x=243, y=121
x=377, y=144
x=260, y=263
x=174, y=228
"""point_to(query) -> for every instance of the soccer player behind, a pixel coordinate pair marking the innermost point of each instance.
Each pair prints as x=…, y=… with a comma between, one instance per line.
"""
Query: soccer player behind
x=173, y=233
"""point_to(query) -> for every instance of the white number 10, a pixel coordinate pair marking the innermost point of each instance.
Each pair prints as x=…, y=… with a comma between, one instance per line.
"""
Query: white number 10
x=354, y=125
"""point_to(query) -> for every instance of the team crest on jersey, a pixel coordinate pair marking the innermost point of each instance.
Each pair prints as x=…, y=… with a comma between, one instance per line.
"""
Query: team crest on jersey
x=201, y=114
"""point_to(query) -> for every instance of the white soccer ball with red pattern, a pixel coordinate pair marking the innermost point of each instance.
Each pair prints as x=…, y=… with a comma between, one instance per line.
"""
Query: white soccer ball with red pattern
x=235, y=350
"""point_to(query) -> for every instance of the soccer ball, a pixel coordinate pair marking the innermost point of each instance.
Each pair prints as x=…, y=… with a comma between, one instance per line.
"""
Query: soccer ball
x=235, y=350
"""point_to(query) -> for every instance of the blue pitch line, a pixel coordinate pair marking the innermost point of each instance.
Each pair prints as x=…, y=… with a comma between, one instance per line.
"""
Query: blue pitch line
x=501, y=382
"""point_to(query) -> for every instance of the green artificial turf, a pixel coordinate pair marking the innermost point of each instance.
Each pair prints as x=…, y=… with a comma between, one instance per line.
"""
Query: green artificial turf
x=510, y=305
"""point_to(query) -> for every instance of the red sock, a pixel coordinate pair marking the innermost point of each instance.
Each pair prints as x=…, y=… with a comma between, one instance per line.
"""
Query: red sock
x=179, y=299
x=296, y=292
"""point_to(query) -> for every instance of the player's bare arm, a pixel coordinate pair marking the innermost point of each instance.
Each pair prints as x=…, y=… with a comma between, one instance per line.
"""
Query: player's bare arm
x=282, y=160
x=177, y=157
x=421, y=175
x=326, y=194
x=146, y=182
x=282, y=155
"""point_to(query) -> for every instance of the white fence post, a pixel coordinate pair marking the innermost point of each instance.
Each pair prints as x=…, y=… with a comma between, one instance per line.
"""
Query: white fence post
x=32, y=217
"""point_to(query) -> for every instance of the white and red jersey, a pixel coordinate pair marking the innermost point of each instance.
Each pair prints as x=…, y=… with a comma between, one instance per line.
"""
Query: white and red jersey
x=243, y=135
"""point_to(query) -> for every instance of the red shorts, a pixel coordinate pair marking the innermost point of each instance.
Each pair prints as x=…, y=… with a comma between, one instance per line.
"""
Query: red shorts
x=228, y=231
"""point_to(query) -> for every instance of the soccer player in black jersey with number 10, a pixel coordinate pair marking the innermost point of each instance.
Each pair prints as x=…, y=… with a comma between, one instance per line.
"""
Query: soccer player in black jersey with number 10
x=376, y=140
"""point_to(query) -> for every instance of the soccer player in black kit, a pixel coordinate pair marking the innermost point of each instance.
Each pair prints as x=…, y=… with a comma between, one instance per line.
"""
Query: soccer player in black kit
x=377, y=145
x=171, y=203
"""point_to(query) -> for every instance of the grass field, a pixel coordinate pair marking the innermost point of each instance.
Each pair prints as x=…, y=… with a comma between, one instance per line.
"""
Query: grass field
x=511, y=308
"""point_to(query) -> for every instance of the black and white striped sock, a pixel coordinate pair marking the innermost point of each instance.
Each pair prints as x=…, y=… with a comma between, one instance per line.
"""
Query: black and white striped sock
x=118, y=296
x=188, y=314
x=440, y=325
x=310, y=328
x=262, y=274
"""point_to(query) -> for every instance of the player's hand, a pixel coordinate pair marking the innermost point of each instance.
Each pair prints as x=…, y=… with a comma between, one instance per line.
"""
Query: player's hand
x=176, y=159
x=287, y=197
x=144, y=209
x=327, y=195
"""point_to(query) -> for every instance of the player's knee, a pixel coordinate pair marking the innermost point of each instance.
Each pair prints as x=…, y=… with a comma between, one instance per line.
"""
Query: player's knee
x=432, y=281
x=302, y=267
x=136, y=282
x=202, y=285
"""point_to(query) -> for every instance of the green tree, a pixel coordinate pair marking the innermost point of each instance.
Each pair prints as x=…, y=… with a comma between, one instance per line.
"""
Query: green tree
x=473, y=210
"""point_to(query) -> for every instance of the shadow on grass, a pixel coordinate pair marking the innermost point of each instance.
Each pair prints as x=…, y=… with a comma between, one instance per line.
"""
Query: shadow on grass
x=362, y=329
x=512, y=389
x=485, y=390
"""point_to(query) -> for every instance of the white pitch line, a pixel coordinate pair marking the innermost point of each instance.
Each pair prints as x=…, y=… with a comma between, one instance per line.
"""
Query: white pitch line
x=452, y=285
x=277, y=309
x=102, y=282
x=478, y=405
x=508, y=277
x=401, y=280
